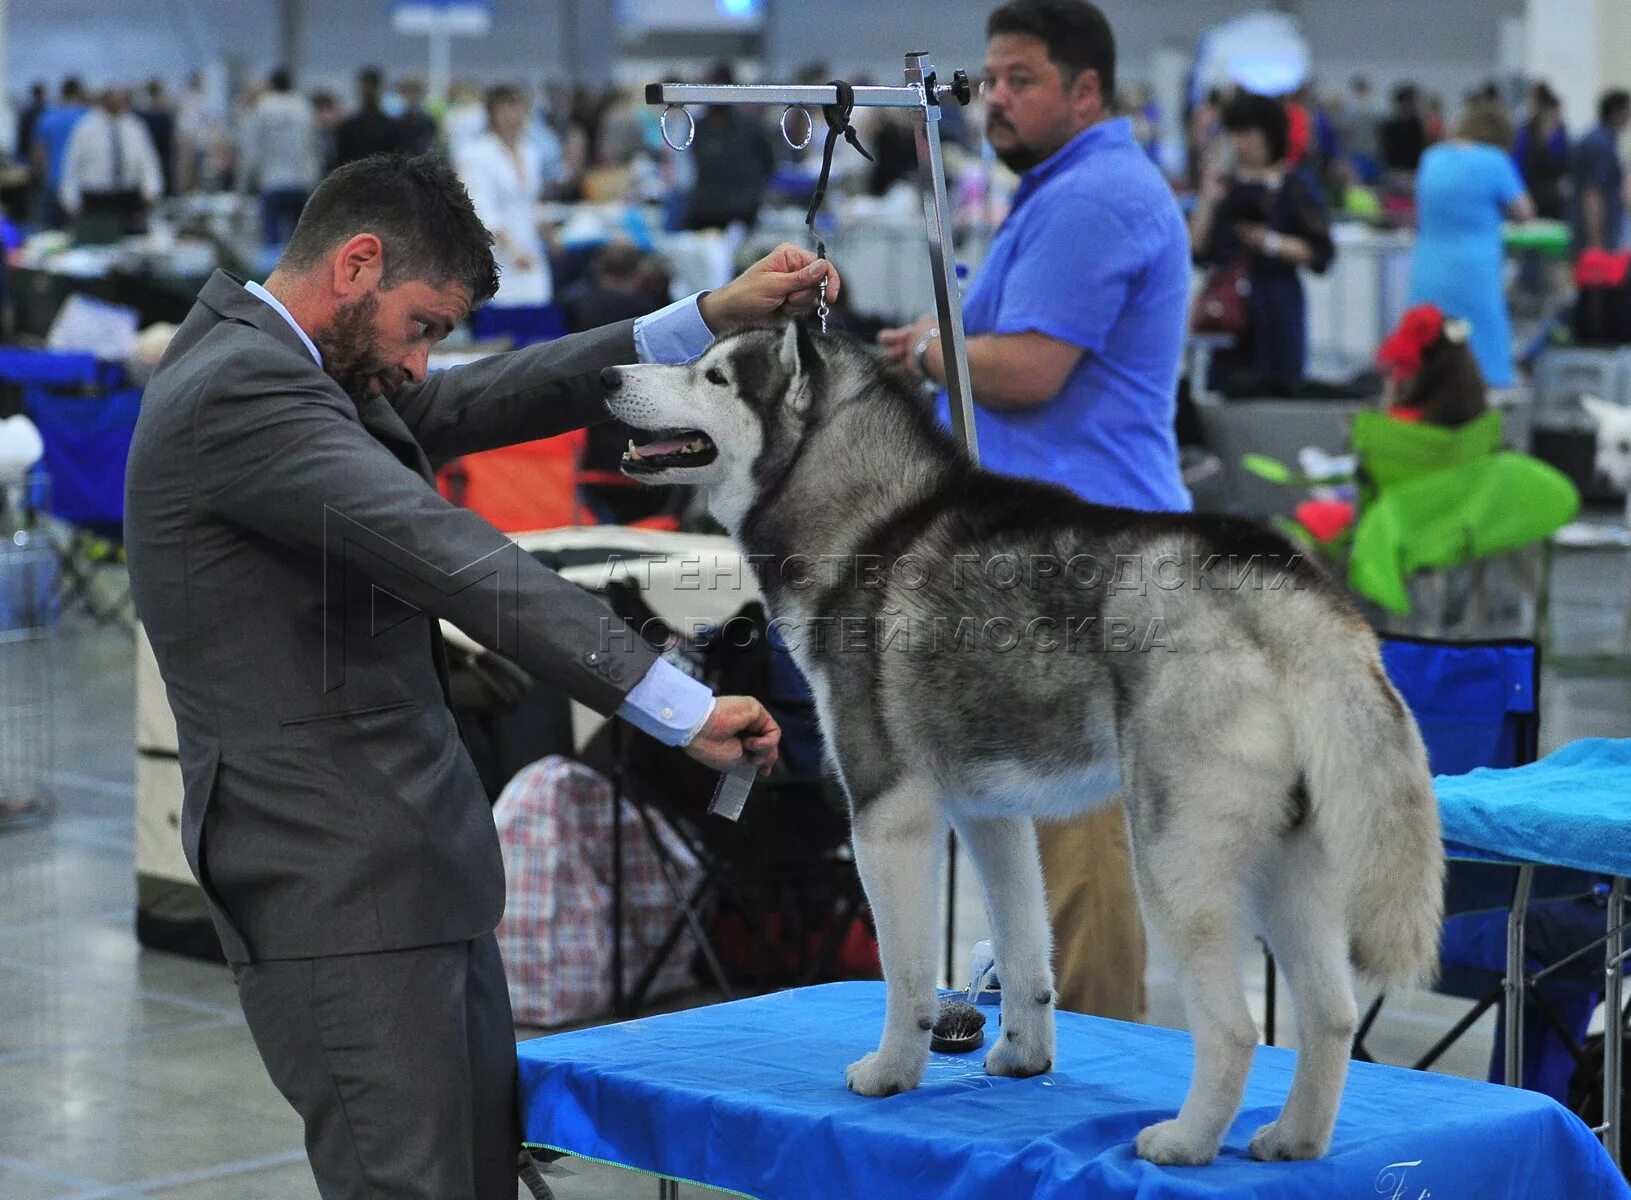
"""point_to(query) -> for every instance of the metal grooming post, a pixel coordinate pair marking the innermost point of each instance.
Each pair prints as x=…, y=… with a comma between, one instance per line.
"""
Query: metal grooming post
x=923, y=94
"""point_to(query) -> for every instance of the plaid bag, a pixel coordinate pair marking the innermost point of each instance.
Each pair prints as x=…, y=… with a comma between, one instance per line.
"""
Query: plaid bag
x=555, y=826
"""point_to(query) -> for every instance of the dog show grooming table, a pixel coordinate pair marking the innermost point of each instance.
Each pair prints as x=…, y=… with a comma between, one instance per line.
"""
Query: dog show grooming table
x=1569, y=809
x=749, y=1097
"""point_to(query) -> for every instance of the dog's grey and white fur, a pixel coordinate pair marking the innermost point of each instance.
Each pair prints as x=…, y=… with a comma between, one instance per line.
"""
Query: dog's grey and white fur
x=1271, y=773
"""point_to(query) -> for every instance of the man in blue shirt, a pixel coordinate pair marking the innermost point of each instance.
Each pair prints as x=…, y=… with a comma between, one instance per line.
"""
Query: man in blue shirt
x=1076, y=329
x=1076, y=319
x=1599, y=178
x=51, y=133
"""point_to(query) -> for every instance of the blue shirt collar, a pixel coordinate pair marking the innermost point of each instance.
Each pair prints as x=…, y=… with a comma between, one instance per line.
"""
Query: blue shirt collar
x=1116, y=131
x=276, y=305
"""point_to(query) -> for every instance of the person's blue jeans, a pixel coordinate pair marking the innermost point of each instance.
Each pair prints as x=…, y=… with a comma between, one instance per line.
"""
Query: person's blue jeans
x=280, y=210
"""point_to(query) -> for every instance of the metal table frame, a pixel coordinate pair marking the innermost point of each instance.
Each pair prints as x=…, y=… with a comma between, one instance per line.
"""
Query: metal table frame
x=1615, y=956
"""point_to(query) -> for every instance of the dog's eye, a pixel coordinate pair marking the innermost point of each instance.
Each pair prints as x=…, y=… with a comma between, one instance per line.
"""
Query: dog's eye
x=717, y=377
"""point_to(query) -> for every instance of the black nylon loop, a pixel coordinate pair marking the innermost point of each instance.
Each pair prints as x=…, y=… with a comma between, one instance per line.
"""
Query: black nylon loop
x=838, y=125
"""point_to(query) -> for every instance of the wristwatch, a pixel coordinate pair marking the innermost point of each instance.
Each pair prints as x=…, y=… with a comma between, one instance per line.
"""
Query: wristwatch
x=1273, y=243
x=922, y=348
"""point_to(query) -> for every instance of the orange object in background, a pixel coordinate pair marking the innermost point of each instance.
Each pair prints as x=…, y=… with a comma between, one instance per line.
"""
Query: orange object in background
x=520, y=488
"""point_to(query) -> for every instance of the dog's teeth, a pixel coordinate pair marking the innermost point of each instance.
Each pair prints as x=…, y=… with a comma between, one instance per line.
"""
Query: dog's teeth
x=634, y=451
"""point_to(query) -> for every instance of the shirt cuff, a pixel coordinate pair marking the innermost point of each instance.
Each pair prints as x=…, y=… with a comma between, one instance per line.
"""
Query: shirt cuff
x=673, y=335
x=668, y=704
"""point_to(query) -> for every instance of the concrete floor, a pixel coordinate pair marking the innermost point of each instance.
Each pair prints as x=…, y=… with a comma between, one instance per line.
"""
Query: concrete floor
x=127, y=1073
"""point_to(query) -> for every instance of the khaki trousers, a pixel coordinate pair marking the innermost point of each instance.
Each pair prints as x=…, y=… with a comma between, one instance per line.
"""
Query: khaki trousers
x=1098, y=937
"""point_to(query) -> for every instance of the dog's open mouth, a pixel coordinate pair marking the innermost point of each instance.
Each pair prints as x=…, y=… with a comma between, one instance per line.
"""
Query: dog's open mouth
x=667, y=449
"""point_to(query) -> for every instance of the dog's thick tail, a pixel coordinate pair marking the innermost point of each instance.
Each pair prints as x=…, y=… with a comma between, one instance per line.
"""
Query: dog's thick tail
x=1371, y=798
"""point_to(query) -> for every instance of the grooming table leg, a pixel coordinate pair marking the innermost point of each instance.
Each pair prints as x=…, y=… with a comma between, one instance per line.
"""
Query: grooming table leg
x=1515, y=975
x=1614, y=1021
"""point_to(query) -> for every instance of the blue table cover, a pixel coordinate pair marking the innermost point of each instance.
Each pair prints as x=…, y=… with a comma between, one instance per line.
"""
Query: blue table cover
x=1569, y=809
x=749, y=1097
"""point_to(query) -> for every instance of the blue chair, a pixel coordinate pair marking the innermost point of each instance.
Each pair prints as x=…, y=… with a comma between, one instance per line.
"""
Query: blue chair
x=87, y=443
x=1478, y=705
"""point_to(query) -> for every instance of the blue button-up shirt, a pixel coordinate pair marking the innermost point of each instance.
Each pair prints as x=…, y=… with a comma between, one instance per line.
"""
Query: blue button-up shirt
x=1094, y=253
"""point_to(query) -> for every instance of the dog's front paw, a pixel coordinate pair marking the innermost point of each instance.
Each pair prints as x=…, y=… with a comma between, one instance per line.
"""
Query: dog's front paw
x=1171, y=1145
x=880, y=1075
x=1272, y=1144
x=1015, y=1058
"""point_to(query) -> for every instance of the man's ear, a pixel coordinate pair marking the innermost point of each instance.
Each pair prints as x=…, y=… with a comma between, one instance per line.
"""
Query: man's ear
x=359, y=265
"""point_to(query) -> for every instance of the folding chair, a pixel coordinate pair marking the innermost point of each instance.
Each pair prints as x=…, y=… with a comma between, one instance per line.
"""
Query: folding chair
x=87, y=444
x=779, y=900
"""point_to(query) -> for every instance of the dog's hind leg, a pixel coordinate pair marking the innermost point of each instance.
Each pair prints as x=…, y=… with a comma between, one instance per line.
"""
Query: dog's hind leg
x=1004, y=854
x=898, y=835
x=1305, y=927
x=1189, y=880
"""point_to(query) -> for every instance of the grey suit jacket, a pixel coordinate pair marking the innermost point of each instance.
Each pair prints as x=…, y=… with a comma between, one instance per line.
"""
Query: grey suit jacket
x=288, y=554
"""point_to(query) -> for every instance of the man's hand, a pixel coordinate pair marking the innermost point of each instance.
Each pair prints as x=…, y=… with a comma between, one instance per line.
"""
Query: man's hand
x=738, y=728
x=900, y=345
x=786, y=279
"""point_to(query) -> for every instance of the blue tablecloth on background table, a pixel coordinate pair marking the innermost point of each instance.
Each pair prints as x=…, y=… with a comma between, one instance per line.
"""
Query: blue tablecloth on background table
x=749, y=1097
x=1569, y=809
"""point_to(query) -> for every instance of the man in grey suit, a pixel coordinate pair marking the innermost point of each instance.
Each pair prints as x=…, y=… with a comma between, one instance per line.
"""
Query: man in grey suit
x=289, y=555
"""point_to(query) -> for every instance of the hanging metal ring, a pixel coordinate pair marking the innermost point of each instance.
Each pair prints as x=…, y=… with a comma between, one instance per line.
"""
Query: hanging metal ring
x=690, y=128
x=809, y=127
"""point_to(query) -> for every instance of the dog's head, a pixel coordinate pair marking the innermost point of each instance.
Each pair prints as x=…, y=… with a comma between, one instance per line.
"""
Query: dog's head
x=1613, y=440
x=725, y=422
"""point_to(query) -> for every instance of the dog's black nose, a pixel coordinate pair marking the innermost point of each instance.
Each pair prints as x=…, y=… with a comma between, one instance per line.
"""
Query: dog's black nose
x=611, y=378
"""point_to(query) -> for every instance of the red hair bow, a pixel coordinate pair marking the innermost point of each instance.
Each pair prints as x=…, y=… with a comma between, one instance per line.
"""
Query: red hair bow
x=1418, y=329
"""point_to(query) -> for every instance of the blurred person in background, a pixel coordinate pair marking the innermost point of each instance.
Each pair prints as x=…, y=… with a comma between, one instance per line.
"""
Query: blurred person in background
x=1404, y=134
x=1599, y=178
x=502, y=172
x=465, y=119
x=1361, y=131
x=370, y=129
x=734, y=158
x=27, y=117
x=326, y=113
x=415, y=127
x=110, y=170
x=1270, y=218
x=280, y=156
x=1541, y=151
x=545, y=140
x=197, y=129
x=1466, y=187
x=51, y=132
x=159, y=115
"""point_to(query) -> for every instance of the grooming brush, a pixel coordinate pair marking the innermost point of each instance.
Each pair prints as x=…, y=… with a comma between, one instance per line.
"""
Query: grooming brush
x=959, y=1028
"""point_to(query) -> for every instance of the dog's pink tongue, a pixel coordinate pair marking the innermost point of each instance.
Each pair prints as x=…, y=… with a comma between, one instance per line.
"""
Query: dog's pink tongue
x=667, y=446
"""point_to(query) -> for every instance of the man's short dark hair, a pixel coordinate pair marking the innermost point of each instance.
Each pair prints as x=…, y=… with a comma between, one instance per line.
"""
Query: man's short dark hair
x=1614, y=106
x=1249, y=111
x=1076, y=33
x=280, y=80
x=419, y=211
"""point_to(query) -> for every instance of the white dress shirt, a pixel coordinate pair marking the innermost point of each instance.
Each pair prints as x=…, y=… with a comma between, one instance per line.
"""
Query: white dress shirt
x=107, y=154
x=505, y=187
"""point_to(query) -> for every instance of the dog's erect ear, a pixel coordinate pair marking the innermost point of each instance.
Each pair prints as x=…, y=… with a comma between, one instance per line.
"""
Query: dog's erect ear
x=1602, y=411
x=798, y=356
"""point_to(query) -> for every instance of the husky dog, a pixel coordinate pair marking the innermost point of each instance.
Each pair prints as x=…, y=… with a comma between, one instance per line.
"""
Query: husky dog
x=986, y=651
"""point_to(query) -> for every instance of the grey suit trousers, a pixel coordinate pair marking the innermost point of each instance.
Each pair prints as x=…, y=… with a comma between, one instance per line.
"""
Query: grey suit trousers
x=401, y=1064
